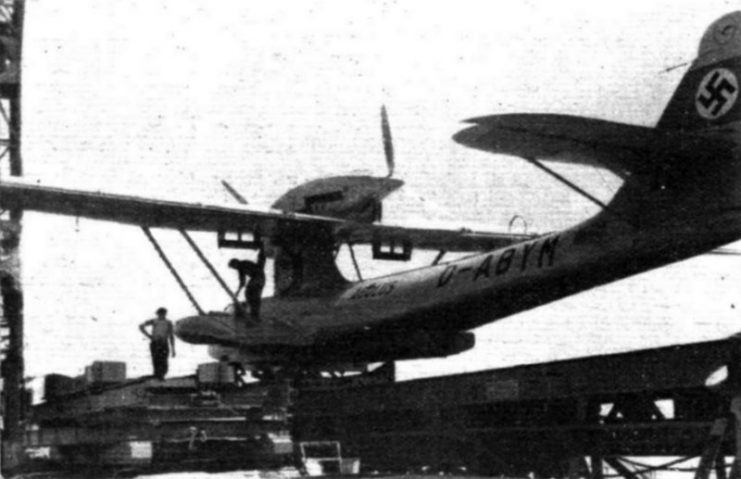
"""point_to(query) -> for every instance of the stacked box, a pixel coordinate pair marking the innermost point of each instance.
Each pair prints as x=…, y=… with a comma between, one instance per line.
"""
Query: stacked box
x=105, y=372
x=279, y=443
x=350, y=466
x=56, y=385
x=127, y=453
x=215, y=373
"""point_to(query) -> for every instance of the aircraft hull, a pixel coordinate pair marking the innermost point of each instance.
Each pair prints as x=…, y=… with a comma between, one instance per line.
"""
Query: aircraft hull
x=422, y=313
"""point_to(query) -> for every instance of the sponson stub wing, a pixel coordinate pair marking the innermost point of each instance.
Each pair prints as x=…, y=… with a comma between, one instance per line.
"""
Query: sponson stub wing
x=460, y=240
x=621, y=148
x=155, y=213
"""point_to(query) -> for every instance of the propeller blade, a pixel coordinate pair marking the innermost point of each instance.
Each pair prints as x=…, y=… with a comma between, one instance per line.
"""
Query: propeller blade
x=388, y=144
x=726, y=252
x=234, y=192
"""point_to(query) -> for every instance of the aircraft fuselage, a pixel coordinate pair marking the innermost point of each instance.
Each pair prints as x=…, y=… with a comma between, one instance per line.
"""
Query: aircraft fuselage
x=423, y=312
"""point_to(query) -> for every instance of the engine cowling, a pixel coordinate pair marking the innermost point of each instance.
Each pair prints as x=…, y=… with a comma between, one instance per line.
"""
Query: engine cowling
x=355, y=198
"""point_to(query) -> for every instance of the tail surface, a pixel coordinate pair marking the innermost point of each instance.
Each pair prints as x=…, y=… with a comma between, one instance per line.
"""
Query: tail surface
x=684, y=174
x=693, y=179
x=708, y=95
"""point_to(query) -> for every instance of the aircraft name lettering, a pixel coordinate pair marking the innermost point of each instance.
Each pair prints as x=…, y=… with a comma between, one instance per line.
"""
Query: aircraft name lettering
x=497, y=265
x=374, y=290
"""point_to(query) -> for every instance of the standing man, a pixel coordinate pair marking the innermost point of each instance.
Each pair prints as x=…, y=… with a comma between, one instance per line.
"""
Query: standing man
x=160, y=335
x=256, y=273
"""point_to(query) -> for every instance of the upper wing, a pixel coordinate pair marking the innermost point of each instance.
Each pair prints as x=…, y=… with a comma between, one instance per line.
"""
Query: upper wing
x=199, y=217
x=148, y=212
x=619, y=147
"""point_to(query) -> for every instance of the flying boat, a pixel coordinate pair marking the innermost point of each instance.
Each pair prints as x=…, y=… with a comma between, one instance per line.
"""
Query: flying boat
x=680, y=197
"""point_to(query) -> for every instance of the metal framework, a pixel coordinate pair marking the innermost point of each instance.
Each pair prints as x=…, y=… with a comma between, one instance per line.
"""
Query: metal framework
x=11, y=39
x=576, y=418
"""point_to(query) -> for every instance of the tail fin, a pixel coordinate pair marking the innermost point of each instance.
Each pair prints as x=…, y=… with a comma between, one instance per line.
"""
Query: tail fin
x=709, y=94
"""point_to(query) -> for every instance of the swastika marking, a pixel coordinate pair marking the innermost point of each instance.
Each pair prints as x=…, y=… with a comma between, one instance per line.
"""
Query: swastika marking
x=717, y=94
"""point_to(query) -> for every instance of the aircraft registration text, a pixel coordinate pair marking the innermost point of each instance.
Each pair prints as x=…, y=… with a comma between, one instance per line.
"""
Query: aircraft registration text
x=499, y=264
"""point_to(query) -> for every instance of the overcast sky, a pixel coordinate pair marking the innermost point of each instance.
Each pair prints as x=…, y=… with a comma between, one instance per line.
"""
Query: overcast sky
x=165, y=99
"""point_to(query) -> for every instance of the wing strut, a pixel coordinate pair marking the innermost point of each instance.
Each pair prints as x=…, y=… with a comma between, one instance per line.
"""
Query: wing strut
x=574, y=187
x=172, y=270
x=208, y=265
x=354, y=261
x=439, y=257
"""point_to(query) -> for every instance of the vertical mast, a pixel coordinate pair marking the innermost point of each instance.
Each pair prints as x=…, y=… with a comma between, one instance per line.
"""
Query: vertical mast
x=11, y=322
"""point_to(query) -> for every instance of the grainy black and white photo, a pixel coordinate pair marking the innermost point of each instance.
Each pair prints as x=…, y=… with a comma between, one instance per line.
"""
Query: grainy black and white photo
x=400, y=238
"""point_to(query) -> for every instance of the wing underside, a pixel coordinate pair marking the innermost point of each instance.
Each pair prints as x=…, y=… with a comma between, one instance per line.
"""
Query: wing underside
x=155, y=213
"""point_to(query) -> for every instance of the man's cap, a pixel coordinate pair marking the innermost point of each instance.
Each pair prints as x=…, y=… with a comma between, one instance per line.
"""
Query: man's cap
x=161, y=311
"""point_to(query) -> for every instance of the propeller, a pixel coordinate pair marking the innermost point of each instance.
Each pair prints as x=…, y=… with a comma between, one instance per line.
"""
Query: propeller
x=232, y=191
x=388, y=144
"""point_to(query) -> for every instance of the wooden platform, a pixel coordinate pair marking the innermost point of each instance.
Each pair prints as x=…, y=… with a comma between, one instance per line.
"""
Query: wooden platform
x=155, y=423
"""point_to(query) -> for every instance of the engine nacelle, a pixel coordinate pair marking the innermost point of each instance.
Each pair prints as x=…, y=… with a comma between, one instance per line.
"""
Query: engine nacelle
x=356, y=198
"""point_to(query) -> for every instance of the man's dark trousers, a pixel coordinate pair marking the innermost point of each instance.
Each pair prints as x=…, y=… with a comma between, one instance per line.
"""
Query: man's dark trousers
x=160, y=351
